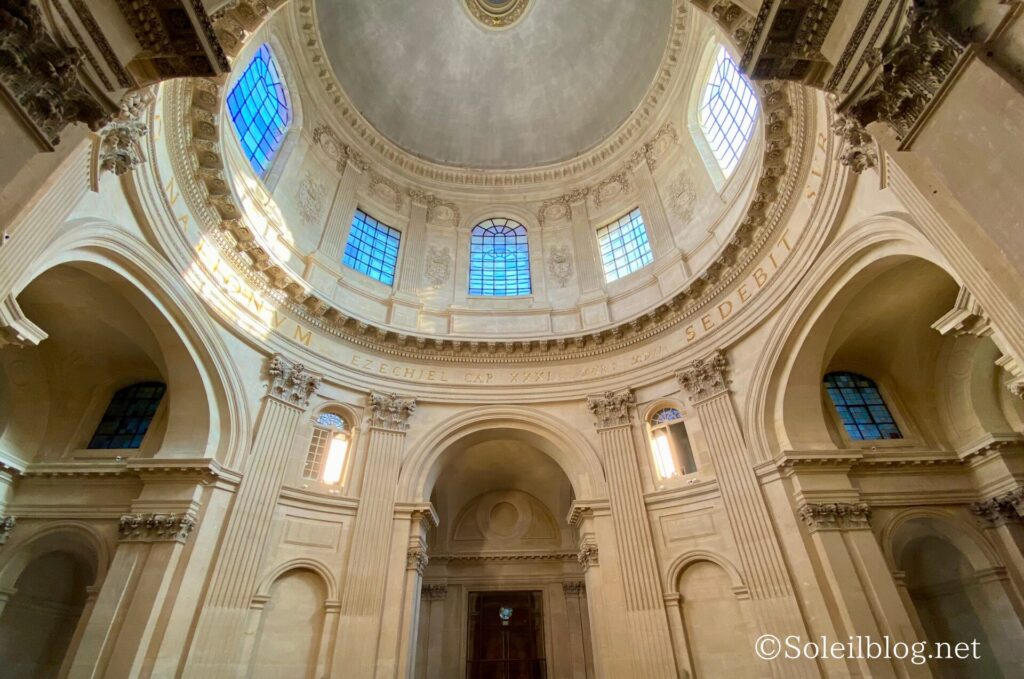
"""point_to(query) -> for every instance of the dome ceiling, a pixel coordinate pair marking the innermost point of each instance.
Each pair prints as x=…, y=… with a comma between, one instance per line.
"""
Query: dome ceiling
x=438, y=83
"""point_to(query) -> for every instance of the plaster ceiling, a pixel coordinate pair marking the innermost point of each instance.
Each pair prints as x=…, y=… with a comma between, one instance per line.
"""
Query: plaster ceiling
x=443, y=87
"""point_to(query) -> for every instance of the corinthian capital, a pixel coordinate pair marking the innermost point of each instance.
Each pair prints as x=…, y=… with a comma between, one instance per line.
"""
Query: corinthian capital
x=611, y=408
x=705, y=377
x=391, y=411
x=290, y=382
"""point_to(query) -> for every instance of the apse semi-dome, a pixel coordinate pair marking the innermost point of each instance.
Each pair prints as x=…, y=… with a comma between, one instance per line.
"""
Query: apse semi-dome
x=446, y=86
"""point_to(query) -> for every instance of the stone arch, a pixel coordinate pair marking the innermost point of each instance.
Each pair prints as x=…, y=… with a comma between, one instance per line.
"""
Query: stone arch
x=675, y=570
x=904, y=526
x=156, y=289
x=785, y=409
x=565, y=446
x=76, y=537
x=301, y=563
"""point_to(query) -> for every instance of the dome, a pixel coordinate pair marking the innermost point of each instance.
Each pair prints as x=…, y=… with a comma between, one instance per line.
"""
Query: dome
x=433, y=79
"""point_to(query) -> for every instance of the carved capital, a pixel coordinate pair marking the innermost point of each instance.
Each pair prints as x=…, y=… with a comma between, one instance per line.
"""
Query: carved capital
x=435, y=592
x=611, y=408
x=859, y=151
x=155, y=527
x=416, y=559
x=391, y=411
x=588, y=556
x=576, y=588
x=836, y=515
x=40, y=76
x=6, y=526
x=120, y=149
x=290, y=382
x=1002, y=509
x=705, y=377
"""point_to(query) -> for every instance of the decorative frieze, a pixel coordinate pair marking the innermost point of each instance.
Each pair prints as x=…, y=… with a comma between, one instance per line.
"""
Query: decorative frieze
x=836, y=515
x=611, y=408
x=391, y=411
x=1002, y=508
x=416, y=559
x=177, y=38
x=291, y=382
x=6, y=526
x=705, y=377
x=155, y=527
x=790, y=34
x=435, y=592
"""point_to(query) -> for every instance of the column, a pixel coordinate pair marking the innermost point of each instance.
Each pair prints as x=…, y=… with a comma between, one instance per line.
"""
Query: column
x=432, y=644
x=218, y=647
x=575, y=612
x=367, y=572
x=645, y=609
x=760, y=554
x=857, y=576
x=584, y=245
x=402, y=603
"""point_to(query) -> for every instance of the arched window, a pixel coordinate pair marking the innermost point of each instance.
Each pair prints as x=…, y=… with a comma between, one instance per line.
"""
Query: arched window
x=727, y=112
x=259, y=108
x=128, y=416
x=328, y=449
x=372, y=248
x=499, y=259
x=670, y=444
x=860, y=407
x=624, y=246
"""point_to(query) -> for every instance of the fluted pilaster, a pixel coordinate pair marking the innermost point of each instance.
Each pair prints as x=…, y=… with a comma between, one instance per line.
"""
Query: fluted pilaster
x=643, y=595
x=339, y=219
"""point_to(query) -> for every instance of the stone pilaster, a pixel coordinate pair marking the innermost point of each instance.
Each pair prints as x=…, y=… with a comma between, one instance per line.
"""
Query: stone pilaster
x=352, y=167
x=362, y=602
x=584, y=245
x=421, y=519
x=644, y=606
x=655, y=216
x=235, y=575
x=410, y=277
x=758, y=545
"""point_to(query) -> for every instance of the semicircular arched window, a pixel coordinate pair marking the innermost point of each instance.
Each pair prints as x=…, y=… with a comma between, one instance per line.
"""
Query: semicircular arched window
x=727, y=112
x=670, y=444
x=499, y=259
x=860, y=406
x=128, y=416
x=260, y=110
x=328, y=449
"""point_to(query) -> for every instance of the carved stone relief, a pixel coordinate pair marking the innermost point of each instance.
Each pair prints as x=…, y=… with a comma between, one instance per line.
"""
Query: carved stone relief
x=438, y=266
x=682, y=196
x=155, y=527
x=310, y=195
x=560, y=264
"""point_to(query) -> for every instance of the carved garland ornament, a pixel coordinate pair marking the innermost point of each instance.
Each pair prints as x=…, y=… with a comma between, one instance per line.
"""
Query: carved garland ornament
x=836, y=515
x=155, y=527
x=210, y=199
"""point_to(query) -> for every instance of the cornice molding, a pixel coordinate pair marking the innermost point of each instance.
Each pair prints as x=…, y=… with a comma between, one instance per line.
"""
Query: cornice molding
x=192, y=130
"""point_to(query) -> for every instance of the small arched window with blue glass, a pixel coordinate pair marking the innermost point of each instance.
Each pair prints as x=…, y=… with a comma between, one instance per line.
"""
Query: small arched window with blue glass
x=260, y=110
x=499, y=259
x=128, y=416
x=861, y=408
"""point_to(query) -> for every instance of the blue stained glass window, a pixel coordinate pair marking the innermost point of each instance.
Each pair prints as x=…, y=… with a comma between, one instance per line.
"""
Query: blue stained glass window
x=666, y=416
x=372, y=248
x=861, y=407
x=128, y=416
x=624, y=246
x=258, y=104
x=499, y=259
x=331, y=420
x=727, y=113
